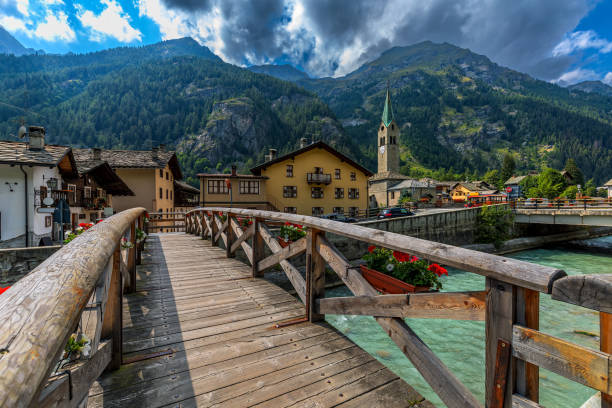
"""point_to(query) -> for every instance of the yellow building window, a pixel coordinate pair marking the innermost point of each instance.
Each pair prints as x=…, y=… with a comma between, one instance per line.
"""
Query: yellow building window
x=217, y=187
x=337, y=174
x=290, y=210
x=249, y=187
x=353, y=211
x=289, y=170
x=316, y=192
x=289, y=192
x=338, y=210
x=353, y=193
x=353, y=176
x=316, y=211
x=339, y=192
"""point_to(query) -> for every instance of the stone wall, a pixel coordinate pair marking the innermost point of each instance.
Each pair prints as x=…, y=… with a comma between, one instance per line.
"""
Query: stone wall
x=15, y=263
x=450, y=227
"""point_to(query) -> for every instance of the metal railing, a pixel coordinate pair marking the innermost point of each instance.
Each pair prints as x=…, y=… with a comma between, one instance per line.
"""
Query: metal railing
x=563, y=204
x=318, y=178
x=509, y=302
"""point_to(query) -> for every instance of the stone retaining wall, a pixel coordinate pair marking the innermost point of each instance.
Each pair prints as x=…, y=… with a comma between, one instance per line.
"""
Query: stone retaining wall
x=15, y=263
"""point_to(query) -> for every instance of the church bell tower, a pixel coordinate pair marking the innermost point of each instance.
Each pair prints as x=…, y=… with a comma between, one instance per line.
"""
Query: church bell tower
x=388, y=139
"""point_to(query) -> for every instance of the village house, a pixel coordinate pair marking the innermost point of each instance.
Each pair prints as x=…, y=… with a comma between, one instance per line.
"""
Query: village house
x=233, y=190
x=32, y=175
x=314, y=180
x=414, y=190
x=608, y=185
x=461, y=191
x=513, y=187
x=186, y=197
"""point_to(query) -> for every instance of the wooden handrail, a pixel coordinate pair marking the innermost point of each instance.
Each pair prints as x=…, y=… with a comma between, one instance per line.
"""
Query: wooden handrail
x=516, y=272
x=39, y=313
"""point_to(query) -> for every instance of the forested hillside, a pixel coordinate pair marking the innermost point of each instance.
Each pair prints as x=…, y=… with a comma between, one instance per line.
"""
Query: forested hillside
x=215, y=114
x=460, y=111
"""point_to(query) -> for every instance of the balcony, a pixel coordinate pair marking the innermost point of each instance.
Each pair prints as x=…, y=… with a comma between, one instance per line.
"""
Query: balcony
x=318, y=178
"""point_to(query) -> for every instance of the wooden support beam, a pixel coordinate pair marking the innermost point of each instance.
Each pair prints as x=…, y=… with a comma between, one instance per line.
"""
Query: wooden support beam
x=230, y=236
x=499, y=318
x=93, y=314
x=131, y=259
x=590, y=291
x=295, y=248
x=206, y=226
x=112, y=326
x=242, y=235
x=578, y=363
x=518, y=401
x=444, y=383
x=527, y=375
x=257, y=247
x=605, y=345
x=57, y=392
x=294, y=276
x=222, y=226
x=502, y=363
x=438, y=305
x=214, y=229
x=315, y=274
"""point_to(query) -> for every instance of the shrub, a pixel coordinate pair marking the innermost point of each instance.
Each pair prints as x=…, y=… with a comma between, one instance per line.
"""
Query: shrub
x=494, y=225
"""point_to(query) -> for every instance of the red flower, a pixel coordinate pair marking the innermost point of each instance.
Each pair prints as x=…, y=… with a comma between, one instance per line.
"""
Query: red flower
x=414, y=259
x=2, y=290
x=299, y=226
x=371, y=248
x=82, y=225
x=401, y=256
x=287, y=223
x=437, y=269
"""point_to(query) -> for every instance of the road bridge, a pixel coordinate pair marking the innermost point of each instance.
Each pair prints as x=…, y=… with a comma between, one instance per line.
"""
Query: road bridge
x=582, y=212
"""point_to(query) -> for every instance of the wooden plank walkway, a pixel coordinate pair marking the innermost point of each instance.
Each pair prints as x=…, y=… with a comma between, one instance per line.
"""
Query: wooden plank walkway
x=218, y=324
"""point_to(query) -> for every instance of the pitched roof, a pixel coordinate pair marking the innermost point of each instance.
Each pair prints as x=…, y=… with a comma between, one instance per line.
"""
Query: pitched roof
x=228, y=175
x=387, y=115
x=479, y=186
x=514, y=180
x=155, y=159
x=102, y=172
x=317, y=145
x=609, y=183
x=388, y=175
x=19, y=153
x=412, y=183
x=179, y=185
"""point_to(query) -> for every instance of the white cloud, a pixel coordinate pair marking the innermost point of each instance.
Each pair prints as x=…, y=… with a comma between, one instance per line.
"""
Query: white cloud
x=52, y=2
x=172, y=24
x=581, y=40
x=12, y=24
x=577, y=75
x=55, y=27
x=608, y=79
x=111, y=22
x=23, y=7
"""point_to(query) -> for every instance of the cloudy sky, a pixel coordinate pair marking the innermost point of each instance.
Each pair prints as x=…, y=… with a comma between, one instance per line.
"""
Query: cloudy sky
x=555, y=40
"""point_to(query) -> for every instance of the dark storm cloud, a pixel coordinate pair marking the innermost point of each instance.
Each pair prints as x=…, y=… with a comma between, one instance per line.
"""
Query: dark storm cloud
x=337, y=36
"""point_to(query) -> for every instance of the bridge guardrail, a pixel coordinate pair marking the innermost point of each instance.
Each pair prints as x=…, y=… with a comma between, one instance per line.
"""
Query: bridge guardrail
x=81, y=285
x=562, y=204
x=509, y=303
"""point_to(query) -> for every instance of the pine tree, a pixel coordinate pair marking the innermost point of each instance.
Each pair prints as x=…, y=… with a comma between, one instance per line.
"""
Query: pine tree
x=572, y=168
x=508, y=166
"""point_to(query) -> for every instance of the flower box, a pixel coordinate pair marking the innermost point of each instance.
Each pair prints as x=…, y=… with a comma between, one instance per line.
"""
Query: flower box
x=283, y=243
x=389, y=285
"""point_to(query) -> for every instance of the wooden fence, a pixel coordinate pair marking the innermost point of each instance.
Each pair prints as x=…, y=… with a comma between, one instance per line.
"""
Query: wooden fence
x=509, y=303
x=78, y=288
x=166, y=222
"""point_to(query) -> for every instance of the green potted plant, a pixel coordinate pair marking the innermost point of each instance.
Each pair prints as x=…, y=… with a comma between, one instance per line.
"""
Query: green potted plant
x=394, y=272
x=289, y=233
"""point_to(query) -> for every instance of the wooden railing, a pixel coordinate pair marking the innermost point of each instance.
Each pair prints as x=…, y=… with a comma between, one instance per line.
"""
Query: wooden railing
x=78, y=289
x=509, y=303
x=166, y=221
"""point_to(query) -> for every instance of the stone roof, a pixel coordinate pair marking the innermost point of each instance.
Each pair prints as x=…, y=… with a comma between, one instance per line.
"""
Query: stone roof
x=179, y=185
x=154, y=159
x=388, y=175
x=228, y=175
x=19, y=153
x=412, y=183
x=479, y=186
x=609, y=183
x=514, y=180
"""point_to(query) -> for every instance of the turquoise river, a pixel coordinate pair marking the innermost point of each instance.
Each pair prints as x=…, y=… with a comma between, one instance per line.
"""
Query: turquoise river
x=460, y=344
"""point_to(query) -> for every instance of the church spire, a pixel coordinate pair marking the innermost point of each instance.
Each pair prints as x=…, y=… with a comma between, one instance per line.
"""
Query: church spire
x=387, y=115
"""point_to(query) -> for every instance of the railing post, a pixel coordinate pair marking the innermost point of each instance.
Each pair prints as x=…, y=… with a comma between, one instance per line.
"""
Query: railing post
x=113, y=316
x=204, y=232
x=138, y=250
x=257, y=244
x=605, y=345
x=527, y=381
x=499, y=318
x=215, y=228
x=229, y=233
x=132, y=258
x=315, y=274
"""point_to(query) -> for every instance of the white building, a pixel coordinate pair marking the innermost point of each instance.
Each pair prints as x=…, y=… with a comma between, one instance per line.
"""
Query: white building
x=608, y=185
x=30, y=172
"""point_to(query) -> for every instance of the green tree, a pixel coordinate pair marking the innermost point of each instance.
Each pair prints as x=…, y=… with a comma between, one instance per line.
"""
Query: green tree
x=572, y=168
x=493, y=177
x=550, y=184
x=494, y=225
x=507, y=168
x=570, y=192
x=590, y=189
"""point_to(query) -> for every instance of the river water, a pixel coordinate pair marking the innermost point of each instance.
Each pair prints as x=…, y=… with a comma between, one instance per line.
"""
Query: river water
x=460, y=344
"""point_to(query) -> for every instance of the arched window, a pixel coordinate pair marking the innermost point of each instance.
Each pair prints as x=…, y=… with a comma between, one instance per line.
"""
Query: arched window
x=382, y=128
x=392, y=127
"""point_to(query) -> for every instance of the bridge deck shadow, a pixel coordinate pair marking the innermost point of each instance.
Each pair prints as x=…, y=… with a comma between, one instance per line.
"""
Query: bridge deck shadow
x=200, y=331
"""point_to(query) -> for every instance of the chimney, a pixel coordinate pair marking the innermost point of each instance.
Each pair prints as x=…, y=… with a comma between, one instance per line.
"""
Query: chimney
x=272, y=154
x=96, y=153
x=154, y=152
x=233, y=170
x=36, y=136
x=303, y=142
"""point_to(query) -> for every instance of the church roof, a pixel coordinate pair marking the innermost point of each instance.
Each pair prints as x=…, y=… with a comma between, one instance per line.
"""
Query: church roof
x=387, y=115
x=387, y=176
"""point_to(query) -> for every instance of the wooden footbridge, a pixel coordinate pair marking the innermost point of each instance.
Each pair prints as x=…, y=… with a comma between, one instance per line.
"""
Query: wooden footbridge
x=194, y=326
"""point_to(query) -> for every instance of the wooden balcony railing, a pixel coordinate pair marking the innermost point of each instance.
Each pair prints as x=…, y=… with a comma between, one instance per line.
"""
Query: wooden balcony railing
x=79, y=286
x=509, y=303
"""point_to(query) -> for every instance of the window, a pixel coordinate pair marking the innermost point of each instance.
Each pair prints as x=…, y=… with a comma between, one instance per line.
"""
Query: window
x=101, y=193
x=382, y=141
x=289, y=170
x=87, y=192
x=166, y=194
x=217, y=187
x=338, y=210
x=393, y=194
x=353, y=176
x=72, y=187
x=161, y=173
x=353, y=193
x=161, y=193
x=316, y=192
x=353, y=211
x=337, y=174
x=290, y=210
x=316, y=211
x=318, y=170
x=249, y=187
x=339, y=192
x=167, y=176
x=289, y=192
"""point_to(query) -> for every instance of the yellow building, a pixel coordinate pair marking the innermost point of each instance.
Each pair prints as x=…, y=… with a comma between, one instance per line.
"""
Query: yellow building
x=460, y=192
x=233, y=190
x=314, y=180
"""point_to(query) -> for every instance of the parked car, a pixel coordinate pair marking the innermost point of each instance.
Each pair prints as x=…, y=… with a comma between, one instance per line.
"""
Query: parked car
x=394, y=212
x=339, y=217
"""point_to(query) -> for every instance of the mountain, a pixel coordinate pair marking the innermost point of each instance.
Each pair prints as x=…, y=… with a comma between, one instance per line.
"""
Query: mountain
x=176, y=92
x=10, y=45
x=285, y=72
x=592, y=87
x=459, y=111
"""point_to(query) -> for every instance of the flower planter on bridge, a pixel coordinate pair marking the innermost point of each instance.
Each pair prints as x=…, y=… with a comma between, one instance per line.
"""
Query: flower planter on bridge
x=389, y=285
